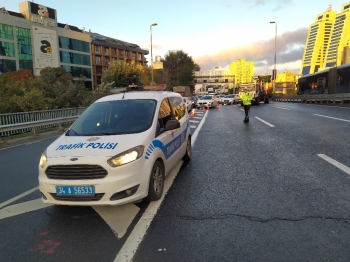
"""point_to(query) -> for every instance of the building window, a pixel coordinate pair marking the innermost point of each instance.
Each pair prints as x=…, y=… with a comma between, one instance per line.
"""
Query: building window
x=97, y=49
x=6, y=31
x=98, y=79
x=133, y=56
x=106, y=60
x=24, y=48
x=74, y=58
x=114, y=52
x=7, y=65
x=98, y=60
x=106, y=50
x=7, y=49
x=73, y=44
x=121, y=53
x=127, y=54
x=99, y=70
x=78, y=71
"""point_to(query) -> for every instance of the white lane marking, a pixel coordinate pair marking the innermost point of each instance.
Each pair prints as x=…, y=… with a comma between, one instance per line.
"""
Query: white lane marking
x=194, y=121
x=131, y=244
x=242, y=109
x=335, y=163
x=192, y=126
x=265, y=122
x=197, y=117
x=21, y=208
x=195, y=134
x=340, y=119
x=118, y=218
x=282, y=108
x=18, y=197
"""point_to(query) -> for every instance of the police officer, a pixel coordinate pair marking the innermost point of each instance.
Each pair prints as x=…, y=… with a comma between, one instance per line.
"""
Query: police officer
x=247, y=101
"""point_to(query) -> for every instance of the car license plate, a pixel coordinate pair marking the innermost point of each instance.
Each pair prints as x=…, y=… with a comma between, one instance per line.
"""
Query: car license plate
x=75, y=190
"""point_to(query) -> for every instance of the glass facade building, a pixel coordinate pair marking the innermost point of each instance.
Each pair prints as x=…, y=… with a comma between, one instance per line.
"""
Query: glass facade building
x=32, y=41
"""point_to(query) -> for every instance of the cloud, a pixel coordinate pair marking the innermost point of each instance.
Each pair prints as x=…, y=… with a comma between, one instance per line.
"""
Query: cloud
x=290, y=48
x=279, y=4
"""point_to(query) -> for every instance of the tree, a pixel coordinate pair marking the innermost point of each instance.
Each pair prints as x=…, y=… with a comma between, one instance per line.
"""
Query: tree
x=123, y=74
x=179, y=69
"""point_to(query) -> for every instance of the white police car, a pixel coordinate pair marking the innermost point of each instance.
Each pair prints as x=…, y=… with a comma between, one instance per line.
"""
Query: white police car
x=118, y=151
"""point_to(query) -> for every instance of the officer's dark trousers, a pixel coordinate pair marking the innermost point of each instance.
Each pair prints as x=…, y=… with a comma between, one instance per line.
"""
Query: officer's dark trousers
x=246, y=111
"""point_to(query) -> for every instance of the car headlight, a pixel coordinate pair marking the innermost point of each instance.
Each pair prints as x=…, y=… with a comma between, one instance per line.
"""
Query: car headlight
x=43, y=160
x=126, y=157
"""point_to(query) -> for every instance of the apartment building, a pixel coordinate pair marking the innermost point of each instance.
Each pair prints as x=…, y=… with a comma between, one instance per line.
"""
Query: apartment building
x=317, y=42
x=338, y=51
x=218, y=77
x=106, y=49
x=242, y=70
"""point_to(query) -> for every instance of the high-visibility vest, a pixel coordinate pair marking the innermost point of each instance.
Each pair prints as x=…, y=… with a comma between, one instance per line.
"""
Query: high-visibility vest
x=247, y=98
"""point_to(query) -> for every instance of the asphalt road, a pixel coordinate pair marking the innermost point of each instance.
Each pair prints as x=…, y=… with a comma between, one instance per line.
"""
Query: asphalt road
x=31, y=231
x=261, y=191
x=253, y=192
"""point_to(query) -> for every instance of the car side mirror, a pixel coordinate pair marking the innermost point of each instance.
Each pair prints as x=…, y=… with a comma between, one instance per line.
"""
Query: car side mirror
x=172, y=124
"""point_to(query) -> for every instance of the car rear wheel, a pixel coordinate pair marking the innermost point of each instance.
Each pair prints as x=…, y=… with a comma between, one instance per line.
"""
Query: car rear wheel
x=187, y=156
x=156, y=182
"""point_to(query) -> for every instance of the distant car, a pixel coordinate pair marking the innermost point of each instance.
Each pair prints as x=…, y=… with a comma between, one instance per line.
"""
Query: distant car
x=221, y=97
x=188, y=103
x=228, y=100
x=208, y=101
x=236, y=99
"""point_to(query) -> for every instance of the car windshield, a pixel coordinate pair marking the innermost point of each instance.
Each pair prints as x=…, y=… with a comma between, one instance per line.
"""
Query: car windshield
x=115, y=117
x=229, y=96
x=206, y=97
x=192, y=98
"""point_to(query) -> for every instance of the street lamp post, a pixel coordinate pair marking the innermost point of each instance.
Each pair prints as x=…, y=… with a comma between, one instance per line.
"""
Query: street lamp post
x=267, y=74
x=177, y=69
x=274, y=69
x=150, y=27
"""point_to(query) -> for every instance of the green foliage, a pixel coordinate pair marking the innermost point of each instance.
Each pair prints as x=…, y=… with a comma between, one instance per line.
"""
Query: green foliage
x=123, y=74
x=178, y=69
x=55, y=88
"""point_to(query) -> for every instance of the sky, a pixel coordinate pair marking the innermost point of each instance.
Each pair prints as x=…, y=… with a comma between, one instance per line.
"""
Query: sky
x=213, y=32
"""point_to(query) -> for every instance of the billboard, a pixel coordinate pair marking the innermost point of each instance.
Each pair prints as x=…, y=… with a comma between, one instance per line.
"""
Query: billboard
x=45, y=47
x=42, y=11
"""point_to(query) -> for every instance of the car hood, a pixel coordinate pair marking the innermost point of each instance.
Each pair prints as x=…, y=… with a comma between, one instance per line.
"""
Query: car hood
x=68, y=146
x=209, y=100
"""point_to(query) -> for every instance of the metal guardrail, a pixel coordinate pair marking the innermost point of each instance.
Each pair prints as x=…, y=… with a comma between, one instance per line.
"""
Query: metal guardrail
x=15, y=123
x=334, y=99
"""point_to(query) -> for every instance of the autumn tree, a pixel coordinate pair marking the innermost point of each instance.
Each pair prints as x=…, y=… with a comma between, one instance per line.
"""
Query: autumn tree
x=123, y=74
x=178, y=69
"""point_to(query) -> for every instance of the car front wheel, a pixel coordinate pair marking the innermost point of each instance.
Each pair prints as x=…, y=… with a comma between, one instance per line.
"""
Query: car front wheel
x=156, y=182
x=187, y=156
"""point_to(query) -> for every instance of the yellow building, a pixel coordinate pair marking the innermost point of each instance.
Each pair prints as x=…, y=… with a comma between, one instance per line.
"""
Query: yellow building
x=286, y=83
x=338, y=51
x=242, y=70
x=317, y=42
